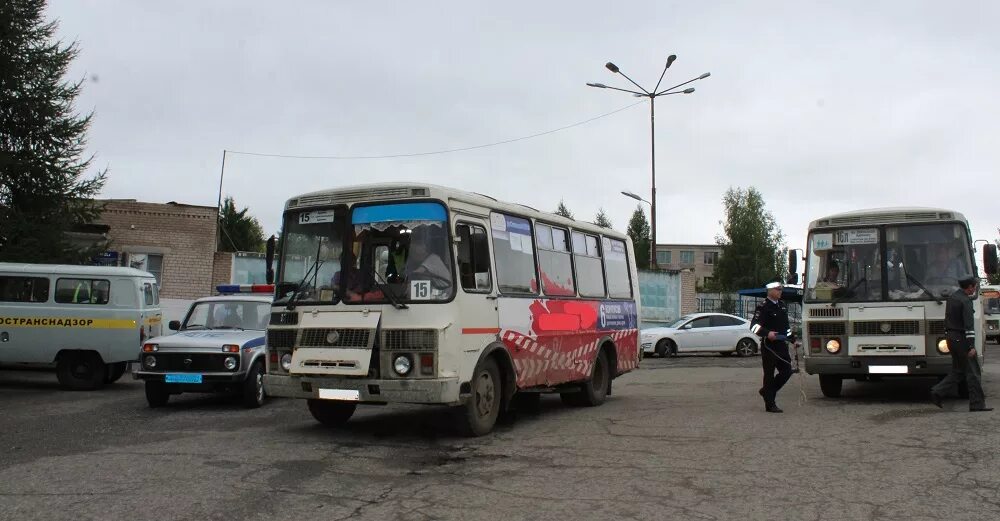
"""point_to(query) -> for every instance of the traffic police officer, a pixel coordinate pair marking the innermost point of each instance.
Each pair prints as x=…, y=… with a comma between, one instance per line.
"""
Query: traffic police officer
x=960, y=332
x=770, y=323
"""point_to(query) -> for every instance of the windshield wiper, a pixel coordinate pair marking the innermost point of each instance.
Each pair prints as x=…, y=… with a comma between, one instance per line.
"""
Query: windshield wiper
x=914, y=280
x=298, y=287
x=229, y=327
x=385, y=290
x=194, y=326
x=848, y=292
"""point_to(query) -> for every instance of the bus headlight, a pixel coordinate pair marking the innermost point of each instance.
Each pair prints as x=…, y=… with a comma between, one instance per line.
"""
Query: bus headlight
x=402, y=365
x=833, y=346
x=943, y=346
x=286, y=361
x=230, y=363
x=149, y=362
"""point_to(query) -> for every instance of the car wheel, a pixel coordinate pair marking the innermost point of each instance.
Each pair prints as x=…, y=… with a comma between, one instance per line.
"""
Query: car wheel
x=81, y=371
x=157, y=394
x=746, y=347
x=253, y=387
x=662, y=347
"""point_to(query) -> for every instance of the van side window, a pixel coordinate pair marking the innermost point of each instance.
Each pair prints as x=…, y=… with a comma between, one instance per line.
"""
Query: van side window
x=473, y=258
x=147, y=294
x=82, y=291
x=24, y=289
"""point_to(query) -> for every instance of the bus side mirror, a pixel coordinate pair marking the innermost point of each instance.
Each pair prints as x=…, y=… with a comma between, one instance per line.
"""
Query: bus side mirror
x=174, y=325
x=793, y=263
x=269, y=261
x=793, y=278
x=990, y=259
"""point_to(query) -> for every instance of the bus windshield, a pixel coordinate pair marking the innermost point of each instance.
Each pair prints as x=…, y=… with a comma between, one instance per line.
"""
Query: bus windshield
x=311, y=246
x=401, y=249
x=916, y=262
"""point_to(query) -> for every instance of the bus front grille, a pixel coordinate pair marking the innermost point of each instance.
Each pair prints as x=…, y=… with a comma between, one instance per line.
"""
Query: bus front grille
x=281, y=338
x=886, y=327
x=336, y=337
x=409, y=339
x=827, y=329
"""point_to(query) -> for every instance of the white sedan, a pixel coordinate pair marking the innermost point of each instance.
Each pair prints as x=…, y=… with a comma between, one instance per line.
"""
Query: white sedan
x=702, y=333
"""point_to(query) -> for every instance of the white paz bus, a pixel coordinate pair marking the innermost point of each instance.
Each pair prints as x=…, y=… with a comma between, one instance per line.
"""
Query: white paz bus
x=876, y=282
x=407, y=293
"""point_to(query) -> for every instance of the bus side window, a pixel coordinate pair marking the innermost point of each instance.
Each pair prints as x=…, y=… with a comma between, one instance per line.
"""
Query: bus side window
x=147, y=293
x=473, y=258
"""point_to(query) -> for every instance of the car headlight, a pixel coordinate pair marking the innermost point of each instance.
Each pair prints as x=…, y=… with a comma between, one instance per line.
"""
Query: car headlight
x=149, y=362
x=402, y=365
x=230, y=363
x=286, y=361
x=833, y=346
x=943, y=346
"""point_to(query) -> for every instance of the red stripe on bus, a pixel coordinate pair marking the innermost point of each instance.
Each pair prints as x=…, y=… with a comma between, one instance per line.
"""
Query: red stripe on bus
x=480, y=330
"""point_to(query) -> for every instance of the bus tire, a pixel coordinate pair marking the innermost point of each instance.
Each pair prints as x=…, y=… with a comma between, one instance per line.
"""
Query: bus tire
x=157, y=394
x=81, y=370
x=479, y=414
x=594, y=391
x=831, y=385
x=115, y=371
x=331, y=413
x=253, y=387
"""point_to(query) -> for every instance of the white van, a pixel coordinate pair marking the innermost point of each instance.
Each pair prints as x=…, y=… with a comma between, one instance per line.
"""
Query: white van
x=89, y=321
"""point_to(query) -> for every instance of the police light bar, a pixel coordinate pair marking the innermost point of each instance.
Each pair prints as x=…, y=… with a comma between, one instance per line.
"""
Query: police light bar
x=245, y=288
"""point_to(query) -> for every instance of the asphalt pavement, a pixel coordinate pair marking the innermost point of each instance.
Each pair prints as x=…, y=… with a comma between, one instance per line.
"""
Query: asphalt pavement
x=681, y=438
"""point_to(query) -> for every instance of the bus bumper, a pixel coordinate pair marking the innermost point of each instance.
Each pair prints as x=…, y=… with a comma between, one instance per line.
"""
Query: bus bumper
x=426, y=391
x=862, y=365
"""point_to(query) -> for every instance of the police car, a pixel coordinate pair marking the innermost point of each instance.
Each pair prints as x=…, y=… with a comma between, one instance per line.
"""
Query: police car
x=218, y=347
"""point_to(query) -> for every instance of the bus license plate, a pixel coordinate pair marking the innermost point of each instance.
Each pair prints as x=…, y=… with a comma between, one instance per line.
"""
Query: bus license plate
x=183, y=378
x=340, y=394
x=888, y=369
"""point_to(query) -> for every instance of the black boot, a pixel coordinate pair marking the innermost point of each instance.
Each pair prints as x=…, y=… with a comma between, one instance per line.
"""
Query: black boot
x=772, y=407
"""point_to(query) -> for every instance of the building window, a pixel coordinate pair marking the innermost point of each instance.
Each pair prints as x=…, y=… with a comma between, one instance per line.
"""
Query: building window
x=711, y=257
x=151, y=262
x=687, y=257
x=664, y=257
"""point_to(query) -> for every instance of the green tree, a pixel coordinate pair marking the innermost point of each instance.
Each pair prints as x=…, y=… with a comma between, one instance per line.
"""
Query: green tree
x=638, y=231
x=602, y=219
x=239, y=231
x=752, y=244
x=43, y=189
x=563, y=211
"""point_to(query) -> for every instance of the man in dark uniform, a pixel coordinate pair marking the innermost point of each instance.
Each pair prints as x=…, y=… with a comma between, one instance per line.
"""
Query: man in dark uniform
x=960, y=332
x=770, y=323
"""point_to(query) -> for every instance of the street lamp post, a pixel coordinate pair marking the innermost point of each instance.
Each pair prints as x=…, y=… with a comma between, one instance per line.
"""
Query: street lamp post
x=652, y=95
x=652, y=243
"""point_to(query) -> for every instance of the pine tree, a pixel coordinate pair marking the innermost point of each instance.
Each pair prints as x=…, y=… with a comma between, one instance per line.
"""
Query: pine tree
x=43, y=189
x=238, y=230
x=638, y=230
x=563, y=211
x=602, y=219
x=752, y=245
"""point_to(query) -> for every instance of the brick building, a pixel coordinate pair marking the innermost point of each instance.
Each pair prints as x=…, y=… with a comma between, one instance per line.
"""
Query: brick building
x=701, y=258
x=175, y=242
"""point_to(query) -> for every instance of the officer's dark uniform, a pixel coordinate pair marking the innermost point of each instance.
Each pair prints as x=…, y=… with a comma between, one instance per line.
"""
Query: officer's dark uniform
x=960, y=333
x=773, y=316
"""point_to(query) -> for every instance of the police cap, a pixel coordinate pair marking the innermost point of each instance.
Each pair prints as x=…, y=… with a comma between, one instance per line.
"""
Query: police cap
x=967, y=280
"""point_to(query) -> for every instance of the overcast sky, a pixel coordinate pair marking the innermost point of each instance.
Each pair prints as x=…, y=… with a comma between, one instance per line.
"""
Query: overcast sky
x=822, y=108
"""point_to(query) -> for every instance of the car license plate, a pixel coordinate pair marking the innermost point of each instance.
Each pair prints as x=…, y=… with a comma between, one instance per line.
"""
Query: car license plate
x=183, y=378
x=340, y=394
x=888, y=369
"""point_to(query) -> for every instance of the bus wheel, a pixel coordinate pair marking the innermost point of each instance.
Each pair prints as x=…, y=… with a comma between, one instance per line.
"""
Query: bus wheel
x=157, y=394
x=331, y=413
x=483, y=406
x=595, y=390
x=831, y=385
x=81, y=371
x=115, y=371
x=253, y=387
